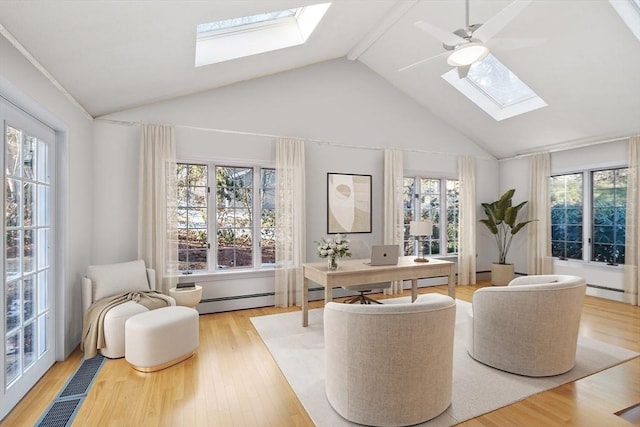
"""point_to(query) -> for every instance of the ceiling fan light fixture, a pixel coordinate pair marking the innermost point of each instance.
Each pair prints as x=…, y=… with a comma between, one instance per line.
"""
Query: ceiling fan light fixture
x=467, y=54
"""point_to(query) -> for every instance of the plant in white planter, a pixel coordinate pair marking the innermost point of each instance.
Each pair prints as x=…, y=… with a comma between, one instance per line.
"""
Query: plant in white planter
x=501, y=221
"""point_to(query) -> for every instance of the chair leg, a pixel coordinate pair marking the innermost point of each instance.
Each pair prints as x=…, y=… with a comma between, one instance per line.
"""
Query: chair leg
x=362, y=299
x=352, y=300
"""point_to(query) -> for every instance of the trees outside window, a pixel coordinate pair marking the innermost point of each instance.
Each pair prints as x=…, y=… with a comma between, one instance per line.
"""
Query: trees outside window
x=239, y=193
x=601, y=213
x=435, y=199
x=566, y=216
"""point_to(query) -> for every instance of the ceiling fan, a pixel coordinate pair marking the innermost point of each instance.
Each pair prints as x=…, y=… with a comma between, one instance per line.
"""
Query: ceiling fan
x=467, y=45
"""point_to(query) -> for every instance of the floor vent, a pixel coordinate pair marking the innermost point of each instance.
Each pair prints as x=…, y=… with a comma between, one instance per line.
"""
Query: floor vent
x=61, y=413
x=64, y=408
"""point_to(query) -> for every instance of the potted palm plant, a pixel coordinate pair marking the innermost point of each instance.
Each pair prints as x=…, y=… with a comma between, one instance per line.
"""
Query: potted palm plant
x=501, y=221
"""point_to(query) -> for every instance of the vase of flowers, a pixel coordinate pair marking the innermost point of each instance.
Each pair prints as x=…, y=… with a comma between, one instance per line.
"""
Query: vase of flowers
x=332, y=249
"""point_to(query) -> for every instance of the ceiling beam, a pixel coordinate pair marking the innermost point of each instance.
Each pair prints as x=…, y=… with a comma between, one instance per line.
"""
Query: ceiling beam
x=396, y=12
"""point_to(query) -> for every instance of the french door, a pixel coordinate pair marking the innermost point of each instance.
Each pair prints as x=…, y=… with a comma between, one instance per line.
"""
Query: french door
x=27, y=270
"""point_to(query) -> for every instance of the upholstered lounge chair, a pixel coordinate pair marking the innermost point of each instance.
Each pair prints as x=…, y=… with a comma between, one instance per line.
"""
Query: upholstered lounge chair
x=390, y=364
x=103, y=281
x=529, y=327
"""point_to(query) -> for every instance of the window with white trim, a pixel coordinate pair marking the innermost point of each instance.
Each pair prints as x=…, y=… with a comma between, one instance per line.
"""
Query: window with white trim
x=589, y=206
x=242, y=240
x=435, y=199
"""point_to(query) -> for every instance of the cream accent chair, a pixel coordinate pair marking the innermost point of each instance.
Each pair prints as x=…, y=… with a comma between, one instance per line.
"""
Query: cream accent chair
x=390, y=364
x=107, y=280
x=529, y=327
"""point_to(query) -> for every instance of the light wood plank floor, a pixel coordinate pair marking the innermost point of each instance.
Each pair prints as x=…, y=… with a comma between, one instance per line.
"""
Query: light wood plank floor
x=233, y=381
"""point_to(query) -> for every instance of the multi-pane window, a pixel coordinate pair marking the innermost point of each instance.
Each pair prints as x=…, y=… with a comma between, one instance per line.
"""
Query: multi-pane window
x=234, y=216
x=27, y=252
x=609, y=210
x=566, y=216
x=453, y=215
x=437, y=201
x=242, y=239
x=268, y=217
x=602, y=214
x=193, y=235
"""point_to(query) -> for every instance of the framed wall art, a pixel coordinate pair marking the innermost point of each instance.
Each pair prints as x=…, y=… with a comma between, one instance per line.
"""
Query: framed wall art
x=348, y=203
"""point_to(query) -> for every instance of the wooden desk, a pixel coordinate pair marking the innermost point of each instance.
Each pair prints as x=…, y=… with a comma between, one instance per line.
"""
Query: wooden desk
x=356, y=272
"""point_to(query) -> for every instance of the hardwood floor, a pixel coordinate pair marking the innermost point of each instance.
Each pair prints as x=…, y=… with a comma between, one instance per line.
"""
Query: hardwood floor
x=233, y=381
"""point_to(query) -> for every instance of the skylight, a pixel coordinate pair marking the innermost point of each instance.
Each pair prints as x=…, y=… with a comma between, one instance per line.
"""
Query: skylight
x=629, y=11
x=495, y=89
x=246, y=20
x=250, y=35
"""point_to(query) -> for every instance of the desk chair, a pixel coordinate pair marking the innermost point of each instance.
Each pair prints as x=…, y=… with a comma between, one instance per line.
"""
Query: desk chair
x=360, y=249
x=362, y=289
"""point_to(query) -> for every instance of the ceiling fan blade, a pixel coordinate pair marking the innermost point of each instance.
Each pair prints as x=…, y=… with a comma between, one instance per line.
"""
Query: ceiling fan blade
x=499, y=21
x=422, y=61
x=438, y=33
x=463, y=71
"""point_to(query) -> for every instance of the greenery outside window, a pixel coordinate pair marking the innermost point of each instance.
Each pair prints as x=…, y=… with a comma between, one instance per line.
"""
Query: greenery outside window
x=239, y=192
x=437, y=200
x=609, y=215
x=602, y=215
x=566, y=216
x=193, y=235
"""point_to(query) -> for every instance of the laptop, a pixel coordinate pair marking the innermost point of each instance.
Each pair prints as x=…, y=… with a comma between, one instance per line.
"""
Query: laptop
x=384, y=254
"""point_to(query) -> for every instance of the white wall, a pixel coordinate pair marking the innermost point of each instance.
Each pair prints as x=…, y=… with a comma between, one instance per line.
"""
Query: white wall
x=27, y=88
x=350, y=112
x=514, y=173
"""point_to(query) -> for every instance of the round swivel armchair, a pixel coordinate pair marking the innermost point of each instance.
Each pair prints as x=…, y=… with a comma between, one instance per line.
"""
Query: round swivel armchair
x=390, y=364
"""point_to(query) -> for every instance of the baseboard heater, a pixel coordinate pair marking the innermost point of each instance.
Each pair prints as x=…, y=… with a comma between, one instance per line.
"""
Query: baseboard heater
x=240, y=297
x=604, y=288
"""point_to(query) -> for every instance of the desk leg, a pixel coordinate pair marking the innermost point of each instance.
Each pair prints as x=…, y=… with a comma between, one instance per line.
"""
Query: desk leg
x=305, y=302
x=414, y=289
x=452, y=282
x=328, y=294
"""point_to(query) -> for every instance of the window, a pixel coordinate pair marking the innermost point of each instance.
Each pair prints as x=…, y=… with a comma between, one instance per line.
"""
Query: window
x=566, y=216
x=234, y=38
x=193, y=236
x=239, y=192
x=436, y=200
x=609, y=215
x=629, y=11
x=602, y=215
x=495, y=89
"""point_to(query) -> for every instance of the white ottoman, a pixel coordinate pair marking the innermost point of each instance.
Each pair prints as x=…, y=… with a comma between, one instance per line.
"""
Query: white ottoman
x=161, y=338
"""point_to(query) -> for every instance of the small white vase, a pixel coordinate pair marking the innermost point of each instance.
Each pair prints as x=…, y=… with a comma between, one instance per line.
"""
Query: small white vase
x=332, y=263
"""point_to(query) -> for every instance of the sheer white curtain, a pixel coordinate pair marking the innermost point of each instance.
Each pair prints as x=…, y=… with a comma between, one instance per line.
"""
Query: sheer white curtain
x=393, y=222
x=157, y=200
x=539, y=231
x=632, y=253
x=290, y=221
x=467, y=221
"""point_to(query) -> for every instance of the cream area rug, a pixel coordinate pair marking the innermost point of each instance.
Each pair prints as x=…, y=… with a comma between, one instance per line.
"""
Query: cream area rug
x=477, y=388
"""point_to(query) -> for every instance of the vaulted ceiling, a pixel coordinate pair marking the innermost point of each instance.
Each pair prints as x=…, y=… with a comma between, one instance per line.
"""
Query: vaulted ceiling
x=577, y=55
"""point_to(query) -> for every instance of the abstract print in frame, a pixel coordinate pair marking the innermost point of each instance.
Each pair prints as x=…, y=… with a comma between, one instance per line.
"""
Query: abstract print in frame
x=348, y=203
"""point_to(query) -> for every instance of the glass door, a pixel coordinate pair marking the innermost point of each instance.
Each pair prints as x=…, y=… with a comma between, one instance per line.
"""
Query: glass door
x=27, y=267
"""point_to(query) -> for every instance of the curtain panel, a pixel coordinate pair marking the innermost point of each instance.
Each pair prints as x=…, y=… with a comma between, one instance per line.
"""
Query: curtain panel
x=290, y=221
x=393, y=226
x=157, y=202
x=539, y=259
x=467, y=221
x=632, y=253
